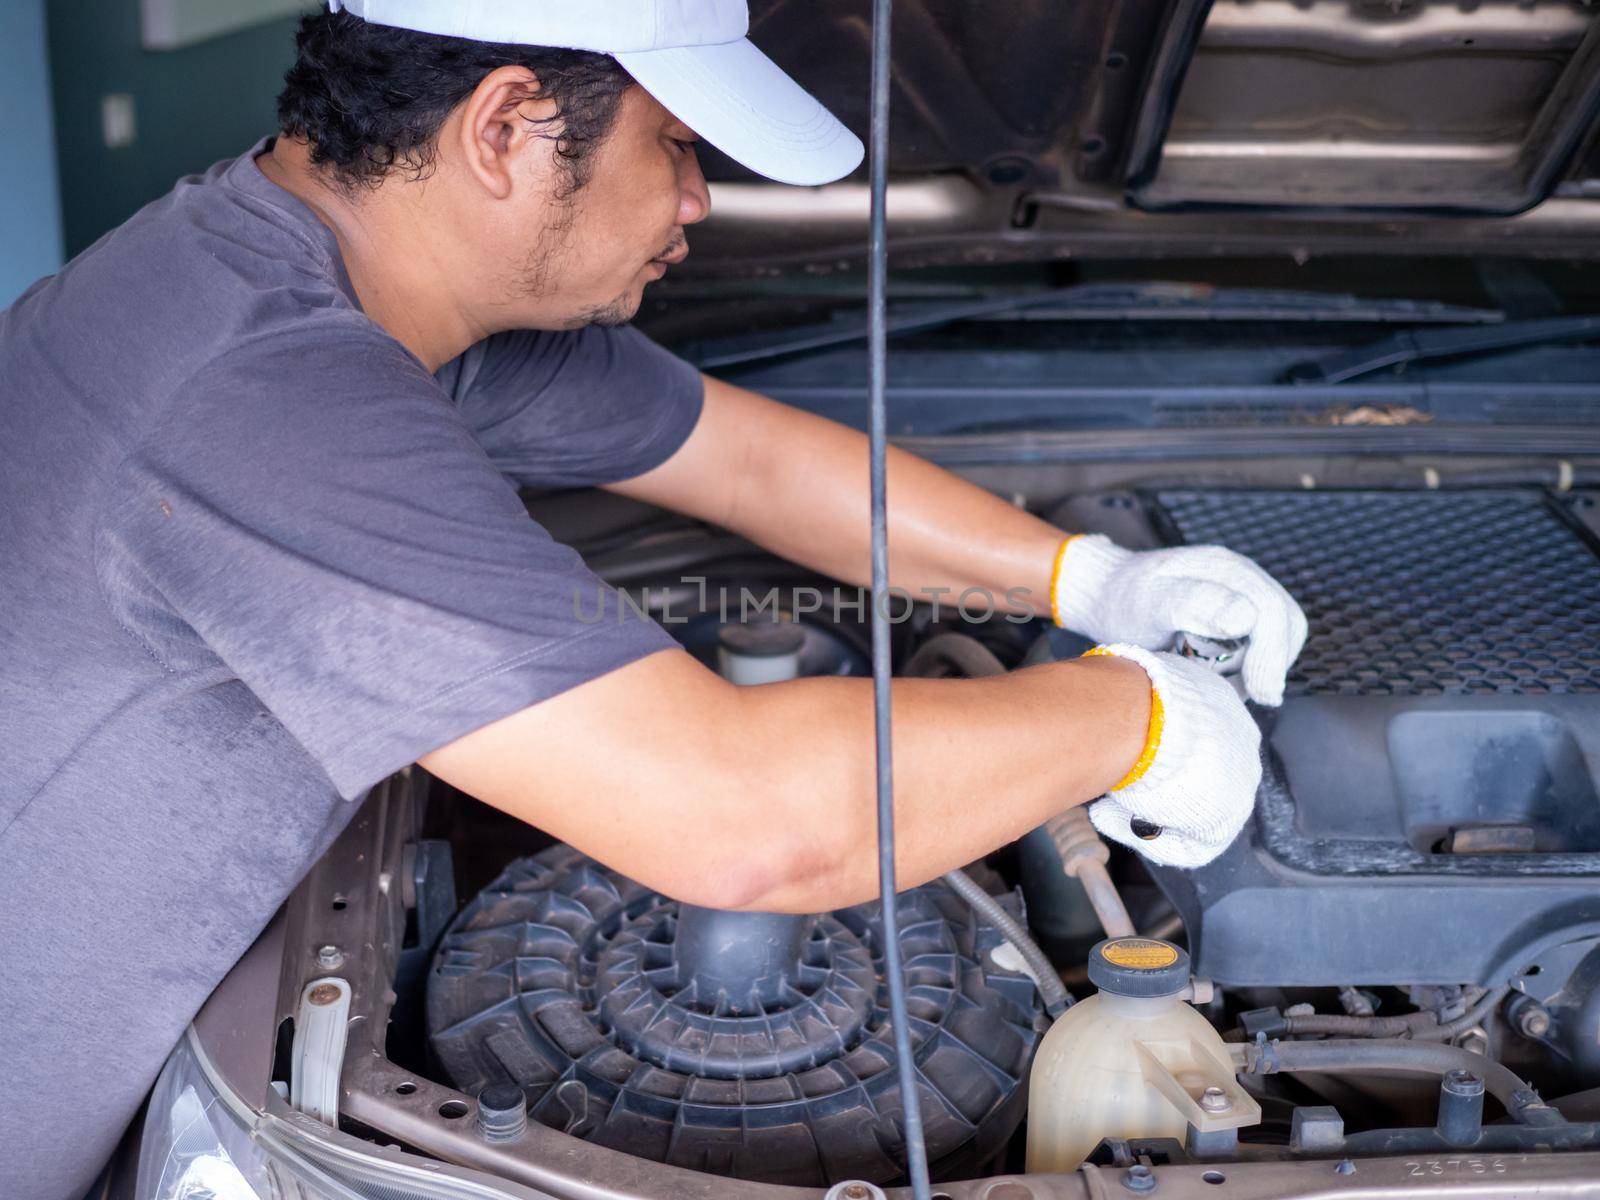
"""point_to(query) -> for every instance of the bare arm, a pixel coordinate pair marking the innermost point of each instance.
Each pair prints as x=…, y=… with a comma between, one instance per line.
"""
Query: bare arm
x=762, y=798
x=797, y=484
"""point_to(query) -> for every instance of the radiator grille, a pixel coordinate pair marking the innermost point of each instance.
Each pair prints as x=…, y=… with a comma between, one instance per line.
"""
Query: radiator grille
x=1419, y=593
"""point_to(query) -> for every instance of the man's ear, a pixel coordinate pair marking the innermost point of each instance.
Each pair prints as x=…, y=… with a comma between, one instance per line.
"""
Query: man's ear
x=502, y=122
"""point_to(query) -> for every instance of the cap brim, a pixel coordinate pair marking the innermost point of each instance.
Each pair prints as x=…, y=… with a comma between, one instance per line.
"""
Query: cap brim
x=743, y=103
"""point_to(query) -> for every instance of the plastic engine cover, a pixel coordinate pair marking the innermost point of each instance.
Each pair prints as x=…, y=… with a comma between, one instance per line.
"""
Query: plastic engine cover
x=1430, y=804
x=561, y=977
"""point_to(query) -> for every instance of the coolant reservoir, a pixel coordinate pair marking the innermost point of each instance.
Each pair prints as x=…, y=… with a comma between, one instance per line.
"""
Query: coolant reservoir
x=760, y=651
x=1134, y=1061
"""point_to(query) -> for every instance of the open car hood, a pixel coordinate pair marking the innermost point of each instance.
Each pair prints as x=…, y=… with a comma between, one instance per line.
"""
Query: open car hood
x=1036, y=129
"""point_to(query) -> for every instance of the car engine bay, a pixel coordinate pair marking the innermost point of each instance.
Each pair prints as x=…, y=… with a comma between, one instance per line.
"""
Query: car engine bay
x=1409, y=925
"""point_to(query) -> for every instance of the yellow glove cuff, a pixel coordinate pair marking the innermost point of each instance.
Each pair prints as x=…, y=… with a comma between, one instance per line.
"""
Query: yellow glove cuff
x=1152, y=735
x=1056, y=614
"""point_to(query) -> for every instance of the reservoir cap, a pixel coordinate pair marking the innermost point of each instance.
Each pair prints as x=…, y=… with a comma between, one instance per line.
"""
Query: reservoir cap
x=1136, y=966
x=762, y=639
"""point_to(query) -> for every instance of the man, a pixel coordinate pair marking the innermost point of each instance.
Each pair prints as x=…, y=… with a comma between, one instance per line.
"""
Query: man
x=262, y=544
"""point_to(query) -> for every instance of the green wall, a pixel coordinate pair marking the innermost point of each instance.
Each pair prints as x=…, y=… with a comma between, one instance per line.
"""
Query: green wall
x=193, y=107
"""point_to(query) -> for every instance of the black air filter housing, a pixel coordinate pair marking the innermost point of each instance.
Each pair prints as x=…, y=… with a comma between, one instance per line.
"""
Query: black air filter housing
x=569, y=980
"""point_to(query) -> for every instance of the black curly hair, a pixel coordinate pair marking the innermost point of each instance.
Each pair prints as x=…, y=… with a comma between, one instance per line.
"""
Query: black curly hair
x=371, y=99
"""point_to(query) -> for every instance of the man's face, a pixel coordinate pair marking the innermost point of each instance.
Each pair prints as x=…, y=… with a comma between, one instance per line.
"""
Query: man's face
x=601, y=245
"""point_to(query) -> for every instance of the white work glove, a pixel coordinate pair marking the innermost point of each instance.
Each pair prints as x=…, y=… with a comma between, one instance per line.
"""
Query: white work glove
x=1146, y=597
x=1197, y=777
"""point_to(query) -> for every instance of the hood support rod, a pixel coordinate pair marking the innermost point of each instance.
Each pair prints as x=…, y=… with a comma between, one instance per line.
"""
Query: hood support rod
x=878, y=437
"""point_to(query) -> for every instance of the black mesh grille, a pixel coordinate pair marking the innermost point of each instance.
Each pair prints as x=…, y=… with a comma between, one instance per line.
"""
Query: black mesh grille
x=1419, y=593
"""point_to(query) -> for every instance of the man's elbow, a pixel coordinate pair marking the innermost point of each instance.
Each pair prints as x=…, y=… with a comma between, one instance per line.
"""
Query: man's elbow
x=775, y=872
x=770, y=822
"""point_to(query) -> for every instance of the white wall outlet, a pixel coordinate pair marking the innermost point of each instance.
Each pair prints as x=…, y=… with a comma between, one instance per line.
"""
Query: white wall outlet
x=119, y=123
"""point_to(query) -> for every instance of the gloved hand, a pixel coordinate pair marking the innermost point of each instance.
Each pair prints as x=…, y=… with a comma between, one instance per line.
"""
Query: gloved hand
x=1197, y=776
x=1146, y=597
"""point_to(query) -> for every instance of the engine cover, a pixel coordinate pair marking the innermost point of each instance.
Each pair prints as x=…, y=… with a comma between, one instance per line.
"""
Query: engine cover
x=1429, y=810
x=568, y=980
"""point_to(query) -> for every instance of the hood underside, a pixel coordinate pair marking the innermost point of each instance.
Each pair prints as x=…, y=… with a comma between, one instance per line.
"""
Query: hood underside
x=1033, y=129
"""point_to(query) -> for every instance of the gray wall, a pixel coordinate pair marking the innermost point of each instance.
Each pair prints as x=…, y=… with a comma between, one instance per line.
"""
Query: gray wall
x=30, y=223
x=193, y=106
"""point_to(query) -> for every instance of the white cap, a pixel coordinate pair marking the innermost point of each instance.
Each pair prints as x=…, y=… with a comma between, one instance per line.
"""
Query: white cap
x=691, y=55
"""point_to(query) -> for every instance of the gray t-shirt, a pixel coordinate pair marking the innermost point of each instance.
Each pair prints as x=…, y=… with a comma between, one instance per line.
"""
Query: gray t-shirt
x=253, y=558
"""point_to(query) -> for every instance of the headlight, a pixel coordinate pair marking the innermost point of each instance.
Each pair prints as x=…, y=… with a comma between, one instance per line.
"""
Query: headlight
x=199, y=1146
x=201, y=1142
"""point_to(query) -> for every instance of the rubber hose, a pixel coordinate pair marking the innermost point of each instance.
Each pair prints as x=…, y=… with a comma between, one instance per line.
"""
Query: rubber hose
x=1473, y=1016
x=1422, y=1027
x=967, y=655
x=1426, y=1058
x=1083, y=856
x=1051, y=990
x=1410, y=1025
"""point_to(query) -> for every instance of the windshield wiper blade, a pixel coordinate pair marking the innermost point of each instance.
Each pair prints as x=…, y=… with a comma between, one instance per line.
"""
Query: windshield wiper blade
x=1422, y=345
x=839, y=333
x=1109, y=302
x=1185, y=302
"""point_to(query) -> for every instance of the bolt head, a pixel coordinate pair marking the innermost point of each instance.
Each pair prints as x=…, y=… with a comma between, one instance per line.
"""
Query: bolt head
x=329, y=957
x=1215, y=1100
x=1534, y=1022
x=323, y=993
x=1139, y=1178
x=856, y=1191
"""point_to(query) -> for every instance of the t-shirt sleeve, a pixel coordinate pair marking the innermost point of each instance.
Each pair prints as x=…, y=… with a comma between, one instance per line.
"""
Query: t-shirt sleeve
x=319, y=516
x=575, y=409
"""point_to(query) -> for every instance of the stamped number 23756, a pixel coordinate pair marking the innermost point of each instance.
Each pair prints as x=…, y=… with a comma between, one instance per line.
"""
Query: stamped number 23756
x=1455, y=1166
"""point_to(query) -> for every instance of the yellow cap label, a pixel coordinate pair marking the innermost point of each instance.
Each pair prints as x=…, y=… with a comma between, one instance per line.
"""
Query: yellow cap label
x=1139, y=954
